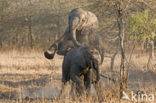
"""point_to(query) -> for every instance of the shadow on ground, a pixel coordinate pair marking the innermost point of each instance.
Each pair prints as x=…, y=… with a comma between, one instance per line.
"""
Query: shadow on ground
x=46, y=86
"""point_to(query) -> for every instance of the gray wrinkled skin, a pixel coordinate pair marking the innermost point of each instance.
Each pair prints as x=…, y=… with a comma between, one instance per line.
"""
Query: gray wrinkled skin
x=80, y=19
x=81, y=31
x=80, y=62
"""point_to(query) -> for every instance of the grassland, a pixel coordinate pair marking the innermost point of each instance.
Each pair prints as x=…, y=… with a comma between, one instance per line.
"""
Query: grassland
x=27, y=77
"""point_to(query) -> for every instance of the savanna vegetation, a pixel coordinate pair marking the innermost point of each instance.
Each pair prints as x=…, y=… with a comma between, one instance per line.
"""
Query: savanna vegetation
x=28, y=27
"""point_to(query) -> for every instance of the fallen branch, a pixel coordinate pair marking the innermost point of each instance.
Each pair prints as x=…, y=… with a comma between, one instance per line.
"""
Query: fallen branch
x=113, y=80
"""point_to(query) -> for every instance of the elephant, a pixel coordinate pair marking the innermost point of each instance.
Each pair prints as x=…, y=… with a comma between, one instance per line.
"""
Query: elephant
x=79, y=19
x=78, y=62
x=81, y=30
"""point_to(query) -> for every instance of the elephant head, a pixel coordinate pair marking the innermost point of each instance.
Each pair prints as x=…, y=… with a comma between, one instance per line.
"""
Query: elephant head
x=78, y=20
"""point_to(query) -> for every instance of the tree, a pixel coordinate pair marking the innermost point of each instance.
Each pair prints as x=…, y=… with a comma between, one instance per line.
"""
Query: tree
x=120, y=6
x=142, y=26
x=3, y=5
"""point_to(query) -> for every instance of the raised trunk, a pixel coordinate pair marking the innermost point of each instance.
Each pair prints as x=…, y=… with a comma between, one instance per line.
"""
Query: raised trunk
x=50, y=53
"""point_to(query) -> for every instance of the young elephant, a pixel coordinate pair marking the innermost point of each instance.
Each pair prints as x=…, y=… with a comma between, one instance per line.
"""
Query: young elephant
x=78, y=62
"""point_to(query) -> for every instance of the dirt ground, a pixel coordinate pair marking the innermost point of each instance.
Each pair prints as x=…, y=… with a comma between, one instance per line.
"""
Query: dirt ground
x=29, y=77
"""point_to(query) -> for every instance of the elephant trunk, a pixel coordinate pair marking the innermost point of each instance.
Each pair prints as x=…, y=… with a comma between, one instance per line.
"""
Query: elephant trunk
x=49, y=54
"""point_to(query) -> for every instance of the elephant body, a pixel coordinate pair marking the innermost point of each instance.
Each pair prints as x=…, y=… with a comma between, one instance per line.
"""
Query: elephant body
x=80, y=62
x=81, y=50
x=81, y=31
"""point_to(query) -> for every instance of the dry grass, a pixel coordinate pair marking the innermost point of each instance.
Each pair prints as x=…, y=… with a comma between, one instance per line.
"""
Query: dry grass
x=29, y=77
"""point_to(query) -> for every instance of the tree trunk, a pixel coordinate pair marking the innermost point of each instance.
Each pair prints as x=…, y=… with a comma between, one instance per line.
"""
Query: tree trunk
x=151, y=56
x=0, y=43
x=152, y=49
x=123, y=74
x=114, y=55
x=113, y=59
x=30, y=37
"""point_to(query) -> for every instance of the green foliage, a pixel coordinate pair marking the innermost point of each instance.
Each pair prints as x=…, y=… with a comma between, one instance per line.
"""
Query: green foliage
x=142, y=26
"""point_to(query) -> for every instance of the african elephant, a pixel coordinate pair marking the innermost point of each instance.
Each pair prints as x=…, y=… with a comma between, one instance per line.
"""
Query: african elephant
x=81, y=61
x=81, y=30
x=79, y=19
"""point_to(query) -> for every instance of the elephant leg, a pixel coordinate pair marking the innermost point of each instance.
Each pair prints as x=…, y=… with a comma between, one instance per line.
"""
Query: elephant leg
x=79, y=84
x=76, y=78
x=65, y=70
x=64, y=85
x=73, y=90
x=87, y=82
x=65, y=75
x=98, y=89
